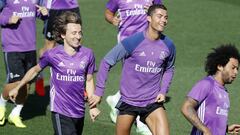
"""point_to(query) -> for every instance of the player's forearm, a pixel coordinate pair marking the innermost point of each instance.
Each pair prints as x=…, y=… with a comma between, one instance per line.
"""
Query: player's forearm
x=109, y=16
x=102, y=76
x=166, y=80
x=30, y=75
x=90, y=85
x=191, y=115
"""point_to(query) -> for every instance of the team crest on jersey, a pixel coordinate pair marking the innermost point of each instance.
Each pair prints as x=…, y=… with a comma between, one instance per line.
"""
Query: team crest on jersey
x=82, y=64
x=16, y=2
x=162, y=55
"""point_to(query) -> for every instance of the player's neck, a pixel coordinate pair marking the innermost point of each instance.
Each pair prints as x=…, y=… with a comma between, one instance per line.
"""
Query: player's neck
x=153, y=34
x=219, y=79
x=70, y=50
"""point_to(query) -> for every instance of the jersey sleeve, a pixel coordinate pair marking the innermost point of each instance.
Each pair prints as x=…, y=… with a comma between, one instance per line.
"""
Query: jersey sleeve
x=4, y=16
x=200, y=90
x=92, y=64
x=45, y=59
x=112, y=57
x=112, y=5
x=169, y=66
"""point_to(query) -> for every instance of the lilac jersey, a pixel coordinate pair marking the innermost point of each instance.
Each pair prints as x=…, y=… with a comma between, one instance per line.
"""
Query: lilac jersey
x=132, y=14
x=68, y=77
x=19, y=37
x=61, y=4
x=213, y=106
x=147, y=70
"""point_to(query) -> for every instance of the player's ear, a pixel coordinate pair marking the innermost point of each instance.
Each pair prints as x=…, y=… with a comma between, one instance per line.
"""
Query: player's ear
x=149, y=19
x=220, y=67
x=63, y=36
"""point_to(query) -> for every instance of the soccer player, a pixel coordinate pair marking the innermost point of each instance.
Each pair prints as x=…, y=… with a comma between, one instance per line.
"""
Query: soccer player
x=207, y=104
x=130, y=17
x=56, y=8
x=72, y=67
x=146, y=75
x=18, y=23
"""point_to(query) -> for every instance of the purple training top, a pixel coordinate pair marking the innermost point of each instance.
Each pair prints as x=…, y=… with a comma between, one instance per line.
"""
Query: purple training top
x=132, y=14
x=19, y=37
x=68, y=76
x=61, y=4
x=213, y=106
x=147, y=70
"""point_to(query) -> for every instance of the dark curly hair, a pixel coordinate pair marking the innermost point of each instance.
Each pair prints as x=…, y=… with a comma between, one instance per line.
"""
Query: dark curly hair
x=220, y=57
x=60, y=24
x=153, y=7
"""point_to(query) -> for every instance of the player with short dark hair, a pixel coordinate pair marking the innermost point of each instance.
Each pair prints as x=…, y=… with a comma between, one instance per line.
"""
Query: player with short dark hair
x=130, y=17
x=18, y=26
x=147, y=72
x=207, y=104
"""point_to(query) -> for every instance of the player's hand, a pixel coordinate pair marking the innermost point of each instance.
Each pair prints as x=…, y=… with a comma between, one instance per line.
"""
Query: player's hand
x=233, y=129
x=14, y=19
x=94, y=100
x=160, y=98
x=116, y=20
x=94, y=112
x=13, y=94
x=42, y=10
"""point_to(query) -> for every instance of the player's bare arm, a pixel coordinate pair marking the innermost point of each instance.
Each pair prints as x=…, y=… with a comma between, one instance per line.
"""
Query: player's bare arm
x=189, y=112
x=112, y=17
x=32, y=73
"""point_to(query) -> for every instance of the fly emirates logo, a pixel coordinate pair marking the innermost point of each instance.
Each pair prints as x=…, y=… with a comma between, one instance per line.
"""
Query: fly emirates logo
x=70, y=77
x=138, y=10
x=150, y=68
x=25, y=12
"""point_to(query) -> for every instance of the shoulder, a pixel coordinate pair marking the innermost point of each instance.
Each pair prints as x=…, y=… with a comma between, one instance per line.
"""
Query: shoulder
x=131, y=42
x=169, y=43
x=206, y=82
x=86, y=49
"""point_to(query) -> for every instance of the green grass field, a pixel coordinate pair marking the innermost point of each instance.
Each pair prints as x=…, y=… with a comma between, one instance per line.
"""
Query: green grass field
x=194, y=26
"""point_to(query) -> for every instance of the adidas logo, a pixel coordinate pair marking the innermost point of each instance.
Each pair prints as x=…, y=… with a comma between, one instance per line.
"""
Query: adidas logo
x=16, y=2
x=61, y=64
x=14, y=76
x=142, y=54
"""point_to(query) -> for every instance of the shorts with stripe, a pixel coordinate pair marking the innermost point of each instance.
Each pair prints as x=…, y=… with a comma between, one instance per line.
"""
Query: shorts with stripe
x=64, y=125
x=48, y=24
x=18, y=63
x=143, y=112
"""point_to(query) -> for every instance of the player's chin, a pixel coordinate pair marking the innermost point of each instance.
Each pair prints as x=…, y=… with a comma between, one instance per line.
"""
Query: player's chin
x=160, y=29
